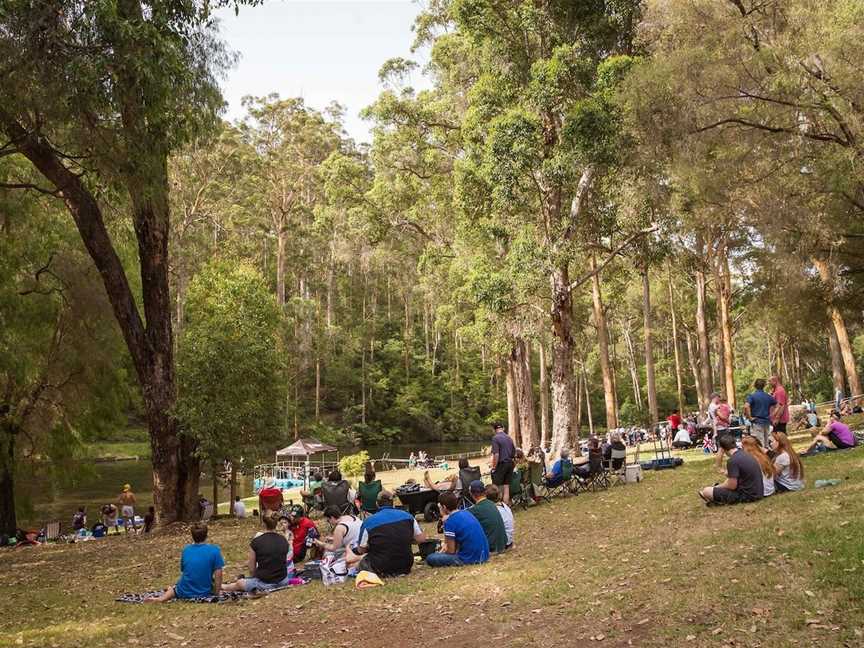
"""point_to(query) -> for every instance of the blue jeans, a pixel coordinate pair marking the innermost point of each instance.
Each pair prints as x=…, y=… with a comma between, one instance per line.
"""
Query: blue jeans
x=441, y=559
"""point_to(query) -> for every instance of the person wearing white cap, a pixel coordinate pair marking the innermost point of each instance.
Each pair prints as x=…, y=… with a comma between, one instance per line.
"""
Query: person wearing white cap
x=127, y=503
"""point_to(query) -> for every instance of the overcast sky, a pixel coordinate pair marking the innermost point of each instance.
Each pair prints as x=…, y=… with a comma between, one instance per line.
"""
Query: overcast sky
x=320, y=50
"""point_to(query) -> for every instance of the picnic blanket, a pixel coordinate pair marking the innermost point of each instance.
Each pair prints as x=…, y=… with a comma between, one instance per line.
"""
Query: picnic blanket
x=222, y=597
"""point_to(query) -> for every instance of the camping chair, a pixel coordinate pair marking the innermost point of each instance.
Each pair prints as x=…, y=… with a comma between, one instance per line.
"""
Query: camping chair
x=616, y=476
x=336, y=494
x=52, y=531
x=536, y=482
x=520, y=487
x=270, y=499
x=367, y=493
x=563, y=485
x=466, y=476
x=597, y=476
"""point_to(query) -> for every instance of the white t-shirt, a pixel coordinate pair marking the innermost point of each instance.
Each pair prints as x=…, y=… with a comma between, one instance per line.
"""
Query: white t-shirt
x=712, y=411
x=767, y=485
x=683, y=436
x=239, y=510
x=509, y=524
x=785, y=479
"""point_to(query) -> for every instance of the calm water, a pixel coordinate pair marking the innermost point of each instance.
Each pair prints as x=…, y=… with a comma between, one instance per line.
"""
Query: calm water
x=98, y=483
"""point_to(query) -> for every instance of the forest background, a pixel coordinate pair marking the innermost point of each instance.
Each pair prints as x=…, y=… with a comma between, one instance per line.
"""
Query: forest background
x=598, y=212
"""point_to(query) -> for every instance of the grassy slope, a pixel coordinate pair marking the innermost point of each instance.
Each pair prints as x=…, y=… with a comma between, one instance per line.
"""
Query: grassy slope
x=642, y=565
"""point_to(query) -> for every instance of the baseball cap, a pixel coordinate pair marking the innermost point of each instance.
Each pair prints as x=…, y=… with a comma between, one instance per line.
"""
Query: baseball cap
x=477, y=486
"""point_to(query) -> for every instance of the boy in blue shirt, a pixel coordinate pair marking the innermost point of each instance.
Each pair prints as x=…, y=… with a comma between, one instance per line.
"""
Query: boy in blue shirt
x=200, y=569
x=465, y=540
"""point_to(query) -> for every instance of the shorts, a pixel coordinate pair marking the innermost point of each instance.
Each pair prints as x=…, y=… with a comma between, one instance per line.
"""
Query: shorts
x=840, y=445
x=503, y=473
x=762, y=432
x=127, y=512
x=725, y=496
x=250, y=584
x=778, y=427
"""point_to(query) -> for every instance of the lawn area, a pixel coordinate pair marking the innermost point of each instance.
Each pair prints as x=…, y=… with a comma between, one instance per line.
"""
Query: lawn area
x=106, y=450
x=640, y=565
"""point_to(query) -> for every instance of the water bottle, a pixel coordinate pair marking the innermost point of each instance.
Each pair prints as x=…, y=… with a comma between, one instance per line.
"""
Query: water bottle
x=822, y=483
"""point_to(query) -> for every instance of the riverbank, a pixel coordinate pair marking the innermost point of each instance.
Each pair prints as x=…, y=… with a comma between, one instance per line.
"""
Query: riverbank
x=641, y=565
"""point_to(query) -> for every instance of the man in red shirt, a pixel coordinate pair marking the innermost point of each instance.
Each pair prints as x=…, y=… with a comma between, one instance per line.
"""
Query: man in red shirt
x=780, y=412
x=674, y=420
x=302, y=528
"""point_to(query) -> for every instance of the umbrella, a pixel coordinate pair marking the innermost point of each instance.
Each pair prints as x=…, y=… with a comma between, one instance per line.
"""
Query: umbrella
x=304, y=448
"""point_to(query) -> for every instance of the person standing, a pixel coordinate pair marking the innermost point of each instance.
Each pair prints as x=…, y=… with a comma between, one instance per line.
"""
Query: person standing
x=780, y=414
x=758, y=409
x=239, y=508
x=127, y=507
x=713, y=404
x=674, y=421
x=503, y=453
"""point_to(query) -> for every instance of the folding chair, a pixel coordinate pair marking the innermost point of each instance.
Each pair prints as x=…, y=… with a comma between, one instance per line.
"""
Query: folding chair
x=563, y=484
x=537, y=482
x=52, y=531
x=336, y=494
x=367, y=493
x=466, y=476
x=597, y=476
x=520, y=486
x=617, y=476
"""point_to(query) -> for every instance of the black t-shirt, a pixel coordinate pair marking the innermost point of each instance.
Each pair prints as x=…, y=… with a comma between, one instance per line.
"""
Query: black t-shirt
x=746, y=470
x=271, y=553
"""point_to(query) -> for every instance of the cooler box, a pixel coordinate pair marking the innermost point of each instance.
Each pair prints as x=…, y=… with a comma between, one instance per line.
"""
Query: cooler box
x=633, y=473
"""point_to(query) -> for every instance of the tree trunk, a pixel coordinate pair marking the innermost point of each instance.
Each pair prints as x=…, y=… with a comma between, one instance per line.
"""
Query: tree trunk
x=588, y=402
x=724, y=307
x=631, y=366
x=574, y=443
x=563, y=393
x=825, y=273
x=704, y=363
x=524, y=392
x=651, y=383
x=839, y=378
x=544, y=396
x=694, y=367
x=232, y=489
x=281, y=245
x=317, y=389
x=603, y=343
x=679, y=387
x=151, y=346
x=512, y=402
x=8, y=519
x=215, y=489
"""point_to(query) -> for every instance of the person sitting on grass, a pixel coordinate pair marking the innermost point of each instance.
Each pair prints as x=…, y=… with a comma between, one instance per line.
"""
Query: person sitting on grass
x=788, y=469
x=743, y=478
x=200, y=569
x=300, y=527
x=493, y=495
x=835, y=436
x=346, y=532
x=450, y=482
x=149, y=519
x=465, y=541
x=751, y=446
x=385, y=540
x=488, y=516
x=79, y=520
x=268, y=558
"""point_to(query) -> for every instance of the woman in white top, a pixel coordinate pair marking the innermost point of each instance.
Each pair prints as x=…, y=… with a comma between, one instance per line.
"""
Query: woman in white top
x=788, y=469
x=346, y=531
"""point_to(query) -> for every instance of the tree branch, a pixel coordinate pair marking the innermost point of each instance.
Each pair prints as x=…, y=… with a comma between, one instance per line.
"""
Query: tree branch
x=586, y=277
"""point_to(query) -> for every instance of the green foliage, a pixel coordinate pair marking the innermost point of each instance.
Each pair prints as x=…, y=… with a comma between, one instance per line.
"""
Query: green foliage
x=354, y=465
x=229, y=363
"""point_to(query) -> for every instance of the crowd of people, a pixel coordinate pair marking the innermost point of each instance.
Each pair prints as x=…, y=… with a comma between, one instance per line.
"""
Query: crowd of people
x=760, y=459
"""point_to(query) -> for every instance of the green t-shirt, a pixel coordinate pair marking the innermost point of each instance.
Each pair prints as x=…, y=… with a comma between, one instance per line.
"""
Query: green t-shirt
x=490, y=519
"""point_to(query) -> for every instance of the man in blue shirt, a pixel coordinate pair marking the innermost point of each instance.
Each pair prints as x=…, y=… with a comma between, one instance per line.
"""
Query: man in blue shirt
x=758, y=408
x=556, y=475
x=465, y=540
x=200, y=569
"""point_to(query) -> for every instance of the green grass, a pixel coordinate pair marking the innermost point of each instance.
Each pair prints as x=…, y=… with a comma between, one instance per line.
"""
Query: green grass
x=117, y=450
x=641, y=565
